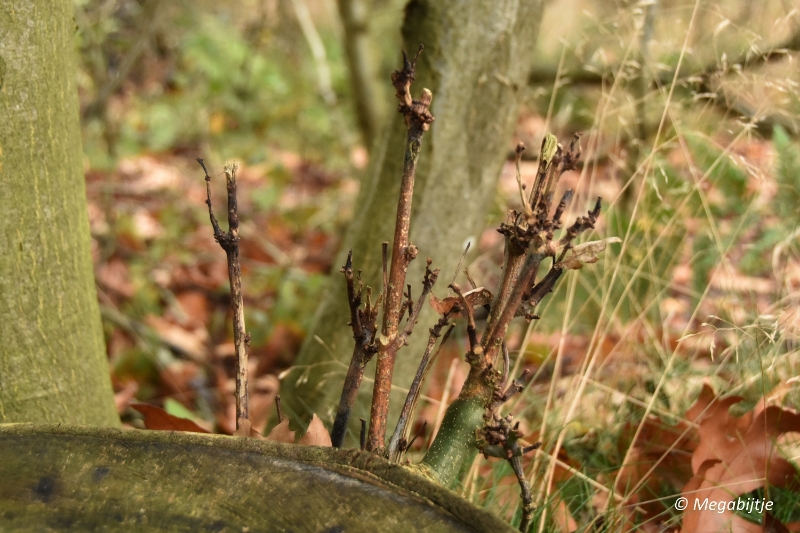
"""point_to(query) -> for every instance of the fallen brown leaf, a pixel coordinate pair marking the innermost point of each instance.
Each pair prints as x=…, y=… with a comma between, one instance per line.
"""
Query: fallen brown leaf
x=114, y=276
x=733, y=459
x=719, y=431
x=191, y=343
x=316, y=435
x=195, y=306
x=282, y=433
x=158, y=419
x=475, y=298
x=562, y=517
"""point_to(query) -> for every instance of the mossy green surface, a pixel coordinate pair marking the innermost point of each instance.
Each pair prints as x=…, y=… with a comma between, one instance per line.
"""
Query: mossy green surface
x=57, y=478
x=53, y=364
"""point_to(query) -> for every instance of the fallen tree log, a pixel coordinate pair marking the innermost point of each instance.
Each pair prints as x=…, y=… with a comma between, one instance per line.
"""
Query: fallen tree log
x=59, y=477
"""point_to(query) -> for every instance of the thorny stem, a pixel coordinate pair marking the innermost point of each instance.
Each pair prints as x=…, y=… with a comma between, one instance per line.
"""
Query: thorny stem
x=230, y=243
x=418, y=120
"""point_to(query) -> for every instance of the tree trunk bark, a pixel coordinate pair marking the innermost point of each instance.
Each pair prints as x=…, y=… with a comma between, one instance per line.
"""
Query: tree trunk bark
x=53, y=365
x=477, y=59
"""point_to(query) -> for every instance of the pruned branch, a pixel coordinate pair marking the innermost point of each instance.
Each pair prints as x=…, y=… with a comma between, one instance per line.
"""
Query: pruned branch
x=418, y=119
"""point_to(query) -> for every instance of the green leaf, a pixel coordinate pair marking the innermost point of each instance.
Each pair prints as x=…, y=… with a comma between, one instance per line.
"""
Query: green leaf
x=175, y=408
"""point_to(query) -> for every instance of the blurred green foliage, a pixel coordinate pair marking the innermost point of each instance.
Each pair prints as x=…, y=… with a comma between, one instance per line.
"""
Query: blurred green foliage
x=205, y=78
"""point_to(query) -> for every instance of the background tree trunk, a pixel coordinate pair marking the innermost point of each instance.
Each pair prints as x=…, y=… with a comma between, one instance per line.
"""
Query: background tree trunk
x=355, y=18
x=478, y=56
x=53, y=365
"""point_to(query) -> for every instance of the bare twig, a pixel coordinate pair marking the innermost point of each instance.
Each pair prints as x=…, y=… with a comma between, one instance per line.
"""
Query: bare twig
x=413, y=316
x=364, y=325
x=278, y=407
x=229, y=241
x=460, y=262
x=506, y=367
x=407, y=413
x=525, y=493
x=502, y=396
x=472, y=332
x=419, y=433
x=418, y=120
x=500, y=437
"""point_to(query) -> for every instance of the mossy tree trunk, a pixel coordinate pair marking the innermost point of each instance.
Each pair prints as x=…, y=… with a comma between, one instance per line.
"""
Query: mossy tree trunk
x=53, y=366
x=478, y=56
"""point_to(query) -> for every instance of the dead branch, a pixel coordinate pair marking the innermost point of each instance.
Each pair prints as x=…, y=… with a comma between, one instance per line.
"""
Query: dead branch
x=364, y=325
x=500, y=437
x=229, y=241
x=401, y=430
x=473, y=418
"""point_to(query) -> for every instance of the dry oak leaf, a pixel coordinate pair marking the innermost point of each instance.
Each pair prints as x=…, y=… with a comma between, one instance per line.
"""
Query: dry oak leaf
x=316, y=435
x=475, y=298
x=562, y=517
x=738, y=464
x=581, y=254
x=719, y=432
x=158, y=419
x=282, y=433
